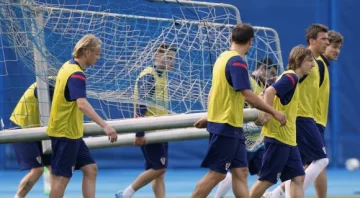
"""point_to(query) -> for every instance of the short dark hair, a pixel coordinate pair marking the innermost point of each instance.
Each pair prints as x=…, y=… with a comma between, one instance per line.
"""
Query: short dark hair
x=242, y=33
x=267, y=61
x=335, y=37
x=313, y=30
x=165, y=47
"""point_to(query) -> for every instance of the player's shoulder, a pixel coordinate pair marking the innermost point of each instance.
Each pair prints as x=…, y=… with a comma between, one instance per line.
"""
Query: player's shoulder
x=320, y=63
x=292, y=76
x=78, y=75
x=289, y=77
x=237, y=61
x=147, y=77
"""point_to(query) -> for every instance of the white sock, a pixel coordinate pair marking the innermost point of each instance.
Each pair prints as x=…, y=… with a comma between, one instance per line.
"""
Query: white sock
x=277, y=192
x=224, y=186
x=313, y=171
x=128, y=192
x=17, y=196
x=287, y=189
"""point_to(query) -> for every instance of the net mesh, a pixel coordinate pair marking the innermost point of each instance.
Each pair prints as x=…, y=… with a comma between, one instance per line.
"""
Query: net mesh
x=130, y=32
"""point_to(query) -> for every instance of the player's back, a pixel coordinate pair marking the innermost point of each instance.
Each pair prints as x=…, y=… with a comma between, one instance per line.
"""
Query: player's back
x=309, y=86
x=225, y=104
x=273, y=129
x=26, y=113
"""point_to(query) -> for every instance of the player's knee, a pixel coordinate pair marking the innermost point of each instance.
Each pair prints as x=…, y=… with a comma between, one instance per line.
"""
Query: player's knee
x=90, y=170
x=37, y=171
x=216, y=177
x=299, y=180
x=160, y=173
x=240, y=173
x=322, y=162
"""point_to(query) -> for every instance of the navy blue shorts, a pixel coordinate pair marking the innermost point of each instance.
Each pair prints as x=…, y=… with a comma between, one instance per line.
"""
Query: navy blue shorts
x=224, y=153
x=29, y=155
x=309, y=140
x=321, y=129
x=156, y=155
x=68, y=155
x=254, y=160
x=280, y=161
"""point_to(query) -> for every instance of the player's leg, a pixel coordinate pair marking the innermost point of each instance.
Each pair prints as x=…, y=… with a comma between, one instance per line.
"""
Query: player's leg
x=28, y=155
x=293, y=173
x=274, y=160
x=254, y=168
x=239, y=170
x=296, y=187
x=89, y=168
x=28, y=181
x=158, y=186
x=221, y=152
x=239, y=182
x=63, y=162
x=207, y=183
x=312, y=150
x=258, y=189
x=277, y=192
x=321, y=180
x=321, y=184
x=224, y=186
x=158, y=183
x=254, y=160
x=155, y=164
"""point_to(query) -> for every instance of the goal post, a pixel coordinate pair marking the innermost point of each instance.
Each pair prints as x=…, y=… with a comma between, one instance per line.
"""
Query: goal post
x=130, y=31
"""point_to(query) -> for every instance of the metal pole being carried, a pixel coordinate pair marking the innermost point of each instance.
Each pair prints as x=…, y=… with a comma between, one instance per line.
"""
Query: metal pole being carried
x=121, y=126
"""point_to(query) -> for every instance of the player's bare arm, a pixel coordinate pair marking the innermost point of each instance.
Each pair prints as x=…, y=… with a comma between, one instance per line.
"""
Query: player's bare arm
x=89, y=111
x=256, y=102
x=268, y=97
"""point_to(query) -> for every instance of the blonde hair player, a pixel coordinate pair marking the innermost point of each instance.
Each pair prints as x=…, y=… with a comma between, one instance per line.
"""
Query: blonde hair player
x=66, y=127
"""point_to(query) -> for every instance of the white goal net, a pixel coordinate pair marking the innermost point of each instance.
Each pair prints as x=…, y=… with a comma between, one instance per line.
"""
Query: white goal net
x=130, y=31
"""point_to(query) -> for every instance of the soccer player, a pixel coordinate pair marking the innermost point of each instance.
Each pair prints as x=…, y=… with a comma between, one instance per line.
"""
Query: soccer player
x=151, y=87
x=230, y=88
x=312, y=149
x=29, y=154
x=332, y=52
x=262, y=77
x=66, y=126
x=282, y=158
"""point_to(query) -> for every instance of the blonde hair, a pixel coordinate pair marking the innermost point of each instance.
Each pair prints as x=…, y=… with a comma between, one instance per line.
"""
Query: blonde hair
x=87, y=42
x=297, y=56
